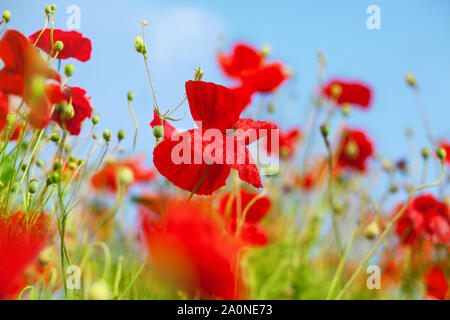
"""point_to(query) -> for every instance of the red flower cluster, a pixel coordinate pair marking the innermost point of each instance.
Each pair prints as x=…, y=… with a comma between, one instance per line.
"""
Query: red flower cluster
x=20, y=243
x=355, y=148
x=287, y=143
x=248, y=65
x=214, y=107
x=189, y=246
x=348, y=92
x=107, y=177
x=436, y=283
x=75, y=45
x=251, y=232
x=426, y=218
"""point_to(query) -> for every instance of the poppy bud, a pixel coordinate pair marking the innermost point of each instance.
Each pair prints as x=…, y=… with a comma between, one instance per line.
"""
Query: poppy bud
x=33, y=187
x=388, y=166
x=271, y=107
x=72, y=165
x=198, y=74
x=410, y=79
x=40, y=164
x=139, y=44
x=130, y=96
x=372, y=230
x=23, y=167
x=55, y=177
x=336, y=91
x=6, y=15
x=158, y=131
x=425, y=153
x=346, y=107
x=441, y=153
x=125, y=176
x=393, y=188
x=53, y=7
x=59, y=45
x=107, y=135
x=69, y=112
x=46, y=256
x=47, y=9
x=54, y=138
x=266, y=50
x=324, y=130
x=95, y=120
x=11, y=118
x=338, y=208
x=121, y=135
x=99, y=291
x=94, y=136
x=69, y=69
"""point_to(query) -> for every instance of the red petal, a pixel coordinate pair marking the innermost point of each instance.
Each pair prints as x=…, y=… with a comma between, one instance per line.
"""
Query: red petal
x=266, y=78
x=168, y=128
x=255, y=130
x=4, y=109
x=214, y=105
x=255, y=213
x=436, y=283
x=243, y=58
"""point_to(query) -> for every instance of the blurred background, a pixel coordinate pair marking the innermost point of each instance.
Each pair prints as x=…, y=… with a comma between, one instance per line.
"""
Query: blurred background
x=183, y=35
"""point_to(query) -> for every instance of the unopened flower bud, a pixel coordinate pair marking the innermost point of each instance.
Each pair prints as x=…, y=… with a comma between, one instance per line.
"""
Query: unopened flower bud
x=372, y=230
x=393, y=188
x=69, y=112
x=72, y=165
x=139, y=44
x=410, y=79
x=426, y=153
x=121, y=135
x=53, y=7
x=46, y=255
x=59, y=45
x=99, y=291
x=271, y=107
x=57, y=164
x=130, y=96
x=40, y=163
x=325, y=130
x=266, y=50
x=69, y=69
x=94, y=136
x=125, y=176
x=33, y=187
x=441, y=153
x=107, y=135
x=54, y=138
x=158, y=131
x=11, y=118
x=6, y=15
x=95, y=120
x=56, y=177
x=47, y=9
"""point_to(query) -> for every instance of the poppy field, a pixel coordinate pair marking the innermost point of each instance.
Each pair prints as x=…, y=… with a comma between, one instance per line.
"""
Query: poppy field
x=239, y=206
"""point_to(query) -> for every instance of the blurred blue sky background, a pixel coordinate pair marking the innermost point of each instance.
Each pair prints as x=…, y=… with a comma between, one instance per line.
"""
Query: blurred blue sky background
x=182, y=35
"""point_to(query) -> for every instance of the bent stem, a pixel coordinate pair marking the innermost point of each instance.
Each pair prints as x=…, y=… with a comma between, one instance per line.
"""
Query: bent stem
x=387, y=230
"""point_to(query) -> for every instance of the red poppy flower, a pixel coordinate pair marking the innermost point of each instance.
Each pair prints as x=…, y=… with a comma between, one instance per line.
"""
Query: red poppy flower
x=348, y=92
x=4, y=109
x=436, y=283
x=242, y=58
x=107, y=177
x=82, y=110
x=355, y=149
x=23, y=73
x=247, y=65
x=206, y=162
x=251, y=231
x=168, y=128
x=446, y=146
x=288, y=142
x=20, y=243
x=190, y=248
x=425, y=217
x=75, y=45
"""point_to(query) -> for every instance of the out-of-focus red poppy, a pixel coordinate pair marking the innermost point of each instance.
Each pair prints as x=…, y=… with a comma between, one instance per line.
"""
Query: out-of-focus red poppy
x=247, y=65
x=188, y=246
x=427, y=218
x=107, y=177
x=214, y=107
x=251, y=231
x=20, y=243
x=354, y=150
x=446, y=146
x=168, y=128
x=75, y=45
x=342, y=92
x=4, y=109
x=288, y=142
x=81, y=106
x=435, y=283
x=313, y=176
x=243, y=57
x=24, y=74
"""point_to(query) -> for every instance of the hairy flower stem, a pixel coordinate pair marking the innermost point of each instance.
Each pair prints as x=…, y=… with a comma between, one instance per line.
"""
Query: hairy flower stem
x=42, y=31
x=387, y=230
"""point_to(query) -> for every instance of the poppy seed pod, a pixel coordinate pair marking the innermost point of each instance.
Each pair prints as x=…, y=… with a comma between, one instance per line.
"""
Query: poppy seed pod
x=69, y=69
x=130, y=96
x=47, y=9
x=95, y=120
x=139, y=44
x=6, y=15
x=55, y=177
x=53, y=7
x=107, y=135
x=372, y=230
x=442, y=154
x=324, y=130
x=158, y=131
x=33, y=187
x=425, y=153
x=121, y=135
x=59, y=45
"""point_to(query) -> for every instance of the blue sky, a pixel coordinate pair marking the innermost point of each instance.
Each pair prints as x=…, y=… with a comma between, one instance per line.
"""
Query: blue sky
x=182, y=35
